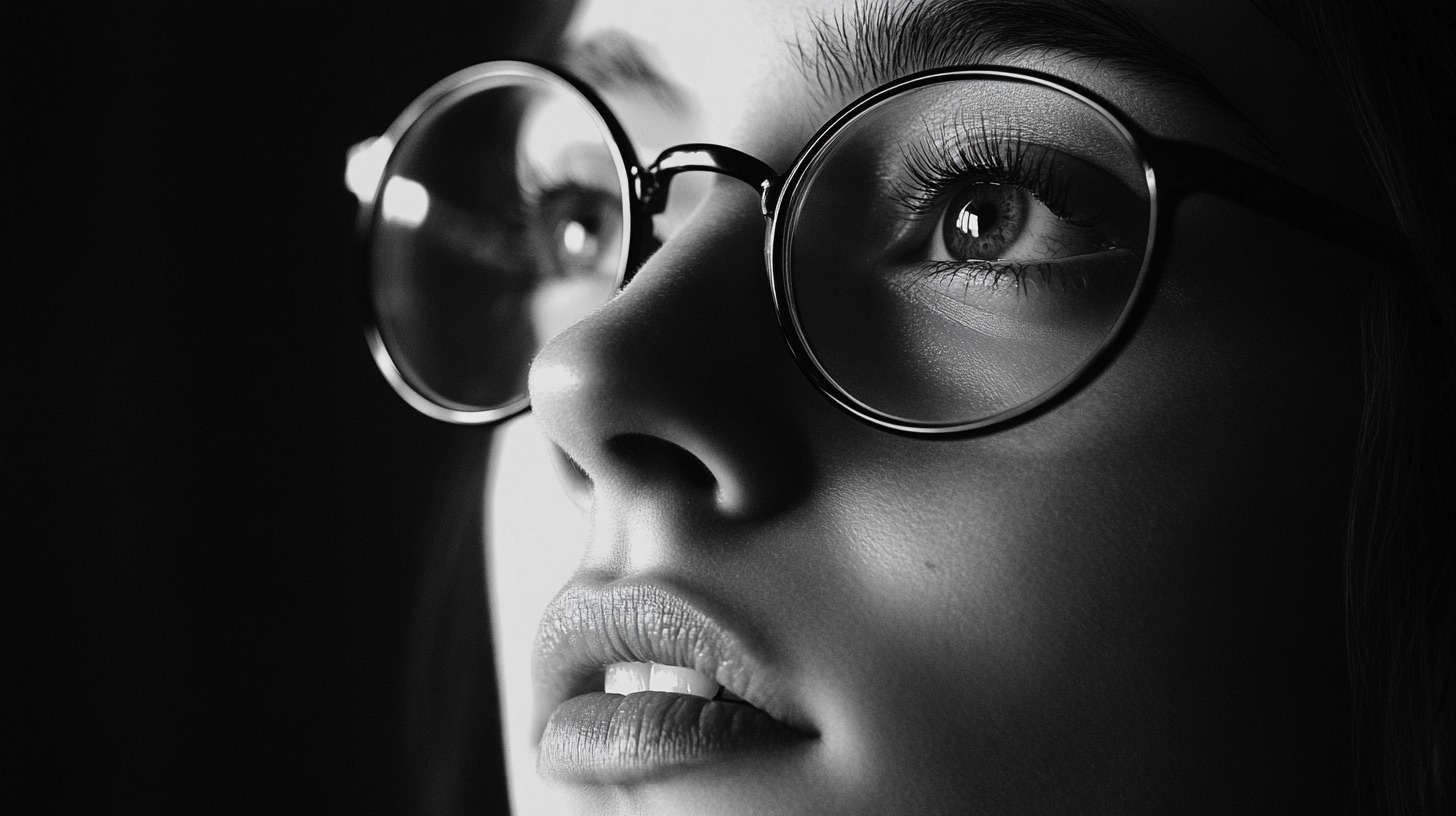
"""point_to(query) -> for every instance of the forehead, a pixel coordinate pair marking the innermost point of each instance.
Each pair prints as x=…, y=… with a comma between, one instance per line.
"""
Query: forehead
x=721, y=51
x=741, y=66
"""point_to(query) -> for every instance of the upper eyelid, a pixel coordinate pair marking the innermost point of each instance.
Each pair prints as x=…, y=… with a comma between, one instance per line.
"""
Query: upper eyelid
x=951, y=154
x=929, y=184
x=535, y=173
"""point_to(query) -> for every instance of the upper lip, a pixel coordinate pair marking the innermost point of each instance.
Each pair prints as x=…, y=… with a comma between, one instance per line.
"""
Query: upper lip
x=586, y=628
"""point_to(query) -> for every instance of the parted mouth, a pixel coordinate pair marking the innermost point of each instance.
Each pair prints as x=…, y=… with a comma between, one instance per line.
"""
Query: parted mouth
x=634, y=679
x=623, y=639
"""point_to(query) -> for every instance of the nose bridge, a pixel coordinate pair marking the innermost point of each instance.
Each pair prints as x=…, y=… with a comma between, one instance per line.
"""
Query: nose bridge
x=679, y=386
x=657, y=179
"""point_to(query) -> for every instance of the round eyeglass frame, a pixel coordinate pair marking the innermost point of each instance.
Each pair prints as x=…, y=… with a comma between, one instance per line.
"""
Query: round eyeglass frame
x=465, y=82
x=781, y=270
x=1186, y=167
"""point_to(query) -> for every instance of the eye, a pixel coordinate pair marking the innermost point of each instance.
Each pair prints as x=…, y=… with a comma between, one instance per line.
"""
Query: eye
x=983, y=221
x=995, y=221
x=579, y=232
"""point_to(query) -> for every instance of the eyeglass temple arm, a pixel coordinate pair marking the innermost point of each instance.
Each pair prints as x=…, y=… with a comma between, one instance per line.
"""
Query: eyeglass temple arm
x=1186, y=168
x=653, y=183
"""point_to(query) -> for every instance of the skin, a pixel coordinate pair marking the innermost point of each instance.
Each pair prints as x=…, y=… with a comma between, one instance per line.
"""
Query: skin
x=1128, y=603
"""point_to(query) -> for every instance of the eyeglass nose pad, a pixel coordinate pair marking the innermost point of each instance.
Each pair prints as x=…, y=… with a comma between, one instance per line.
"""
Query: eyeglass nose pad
x=655, y=181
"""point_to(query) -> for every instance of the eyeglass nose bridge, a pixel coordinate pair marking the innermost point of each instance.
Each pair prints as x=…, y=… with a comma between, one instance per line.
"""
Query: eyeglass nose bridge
x=653, y=183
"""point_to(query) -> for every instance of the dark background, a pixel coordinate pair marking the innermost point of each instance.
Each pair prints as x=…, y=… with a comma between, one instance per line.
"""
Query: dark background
x=222, y=516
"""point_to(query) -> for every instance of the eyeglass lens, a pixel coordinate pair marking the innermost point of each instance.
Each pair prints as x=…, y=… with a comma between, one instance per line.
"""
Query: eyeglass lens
x=500, y=222
x=961, y=250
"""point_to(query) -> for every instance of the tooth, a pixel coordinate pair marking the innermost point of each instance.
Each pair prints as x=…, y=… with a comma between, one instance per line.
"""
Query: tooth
x=627, y=678
x=682, y=681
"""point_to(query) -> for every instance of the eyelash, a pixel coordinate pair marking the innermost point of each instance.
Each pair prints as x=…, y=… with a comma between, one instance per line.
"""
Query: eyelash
x=956, y=156
x=940, y=163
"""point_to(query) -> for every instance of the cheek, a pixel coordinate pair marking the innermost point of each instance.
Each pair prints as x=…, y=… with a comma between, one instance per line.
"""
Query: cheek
x=534, y=539
x=1146, y=576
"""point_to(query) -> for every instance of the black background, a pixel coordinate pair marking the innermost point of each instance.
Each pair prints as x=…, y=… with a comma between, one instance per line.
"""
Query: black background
x=221, y=513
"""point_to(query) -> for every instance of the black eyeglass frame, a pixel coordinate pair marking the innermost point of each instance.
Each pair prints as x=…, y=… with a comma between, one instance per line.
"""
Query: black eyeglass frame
x=1182, y=168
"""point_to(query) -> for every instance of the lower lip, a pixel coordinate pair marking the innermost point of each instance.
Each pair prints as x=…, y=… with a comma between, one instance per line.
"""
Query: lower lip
x=613, y=739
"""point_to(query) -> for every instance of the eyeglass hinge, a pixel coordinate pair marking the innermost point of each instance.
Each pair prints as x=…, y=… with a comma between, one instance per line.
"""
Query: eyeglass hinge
x=648, y=190
x=768, y=197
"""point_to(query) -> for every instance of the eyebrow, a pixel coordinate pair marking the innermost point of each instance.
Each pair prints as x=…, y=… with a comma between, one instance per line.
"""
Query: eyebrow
x=874, y=42
x=614, y=60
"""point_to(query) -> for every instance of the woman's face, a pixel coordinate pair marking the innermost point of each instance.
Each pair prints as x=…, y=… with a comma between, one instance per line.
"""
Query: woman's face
x=1127, y=603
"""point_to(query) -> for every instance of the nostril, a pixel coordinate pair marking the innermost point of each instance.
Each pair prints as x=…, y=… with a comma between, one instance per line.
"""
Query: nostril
x=655, y=457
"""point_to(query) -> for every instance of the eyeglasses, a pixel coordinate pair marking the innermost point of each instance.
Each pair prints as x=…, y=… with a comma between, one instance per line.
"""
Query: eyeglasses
x=948, y=253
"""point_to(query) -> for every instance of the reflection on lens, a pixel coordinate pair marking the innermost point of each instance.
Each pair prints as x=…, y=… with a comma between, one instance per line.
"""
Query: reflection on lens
x=960, y=250
x=501, y=222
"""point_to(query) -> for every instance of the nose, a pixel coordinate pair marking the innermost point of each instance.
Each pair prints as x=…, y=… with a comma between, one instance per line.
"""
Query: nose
x=681, y=388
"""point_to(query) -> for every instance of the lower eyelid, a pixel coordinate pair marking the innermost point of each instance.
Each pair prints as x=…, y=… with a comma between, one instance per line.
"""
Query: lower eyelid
x=1079, y=275
x=1001, y=323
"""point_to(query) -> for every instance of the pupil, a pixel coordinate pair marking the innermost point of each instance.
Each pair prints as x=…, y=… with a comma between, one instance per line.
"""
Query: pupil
x=986, y=221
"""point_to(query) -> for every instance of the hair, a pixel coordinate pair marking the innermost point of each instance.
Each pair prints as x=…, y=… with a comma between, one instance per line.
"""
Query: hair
x=1393, y=69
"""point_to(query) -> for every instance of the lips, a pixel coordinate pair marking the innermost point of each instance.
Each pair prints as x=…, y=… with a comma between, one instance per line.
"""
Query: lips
x=726, y=702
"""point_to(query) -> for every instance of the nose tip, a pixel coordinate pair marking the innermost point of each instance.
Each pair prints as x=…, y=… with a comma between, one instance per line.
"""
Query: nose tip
x=621, y=436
